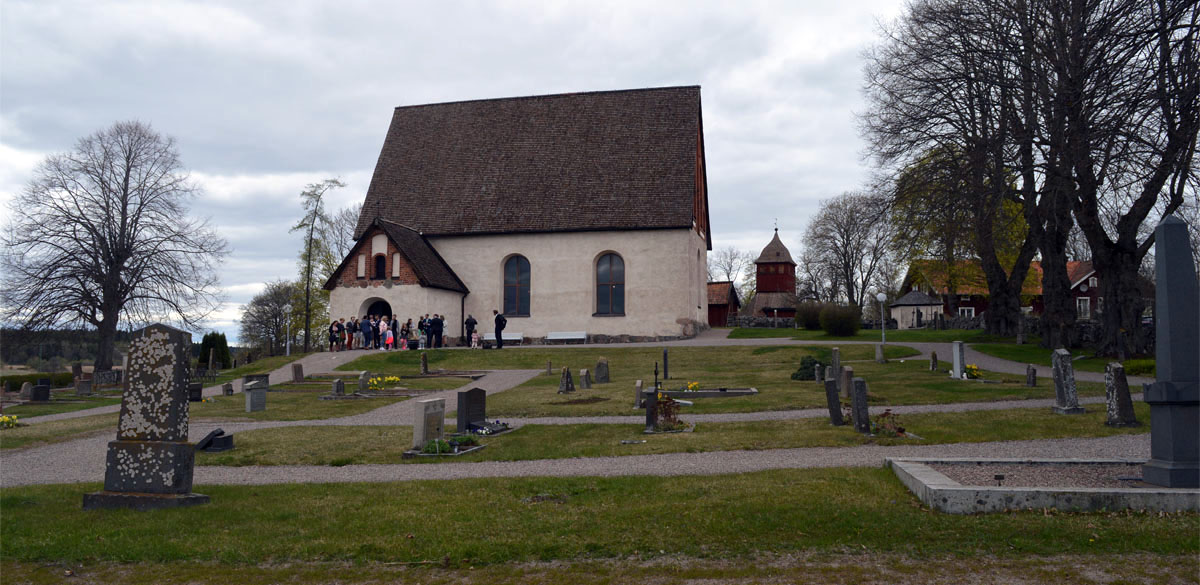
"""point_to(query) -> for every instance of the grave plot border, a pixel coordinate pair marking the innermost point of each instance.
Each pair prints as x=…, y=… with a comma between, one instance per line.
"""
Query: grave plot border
x=941, y=493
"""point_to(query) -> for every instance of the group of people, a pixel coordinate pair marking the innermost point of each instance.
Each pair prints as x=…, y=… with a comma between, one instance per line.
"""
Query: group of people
x=386, y=333
x=381, y=332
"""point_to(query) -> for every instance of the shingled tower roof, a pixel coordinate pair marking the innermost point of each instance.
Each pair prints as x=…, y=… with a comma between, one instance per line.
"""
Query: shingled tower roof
x=775, y=252
x=612, y=160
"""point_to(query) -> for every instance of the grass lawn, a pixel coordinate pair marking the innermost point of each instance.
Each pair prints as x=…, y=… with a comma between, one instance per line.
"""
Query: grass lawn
x=286, y=406
x=339, y=446
x=896, y=382
x=57, y=431
x=65, y=401
x=893, y=336
x=1040, y=356
x=505, y=520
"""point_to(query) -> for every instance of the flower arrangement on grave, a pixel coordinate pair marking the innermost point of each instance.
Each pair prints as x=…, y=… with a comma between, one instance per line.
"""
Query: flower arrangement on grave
x=972, y=372
x=381, y=382
x=8, y=421
x=887, y=424
x=668, y=415
x=692, y=387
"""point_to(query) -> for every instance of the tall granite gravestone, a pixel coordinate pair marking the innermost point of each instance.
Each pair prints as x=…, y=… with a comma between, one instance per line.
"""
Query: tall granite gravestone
x=1066, y=398
x=256, y=396
x=429, y=417
x=602, y=376
x=836, y=361
x=297, y=372
x=858, y=406
x=651, y=404
x=665, y=370
x=933, y=361
x=566, y=384
x=879, y=359
x=364, y=381
x=472, y=409
x=817, y=371
x=1118, y=403
x=150, y=464
x=960, y=361
x=637, y=394
x=834, y=402
x=26, y=390
x=1030, y=376
x=424, y=364
x=585, y=379
x=1174, y=397
x=846, y=383
x=264, y=381
x=211, y=355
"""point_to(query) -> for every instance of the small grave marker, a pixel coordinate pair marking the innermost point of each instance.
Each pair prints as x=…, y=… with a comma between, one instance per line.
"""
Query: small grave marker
x=297, y=372
x=1066, y=398
x=549, y=368
x=424, y=364
x=637, y=394
x=83, y=387
x=817, y=371
x=602, y=371
x=195, y=392
x=834, y=402
x=429, y=417
x=256, y=396
x=338, y=387
x=847, y=381
x=651, y=404
x=227, y=389
x=40, y=393
x=566, y=384
x=1119, y=405
x=26, y=391
x=1030, y=376
x=933, y=361
x=858, y=407
x=585, y=379
x=364, y=381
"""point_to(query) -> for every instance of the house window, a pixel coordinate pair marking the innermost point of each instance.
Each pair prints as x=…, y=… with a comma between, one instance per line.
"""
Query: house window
x=1083, y=307
x=516, y=287
x=610, y=285
x=966, y=311
x=380, y=267
x=1093, y=282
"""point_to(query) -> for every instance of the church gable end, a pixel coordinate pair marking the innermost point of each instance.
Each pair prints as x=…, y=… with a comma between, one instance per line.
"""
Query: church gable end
x=361, y=265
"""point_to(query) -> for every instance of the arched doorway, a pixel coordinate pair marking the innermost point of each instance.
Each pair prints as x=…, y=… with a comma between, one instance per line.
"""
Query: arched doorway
x=376, y=306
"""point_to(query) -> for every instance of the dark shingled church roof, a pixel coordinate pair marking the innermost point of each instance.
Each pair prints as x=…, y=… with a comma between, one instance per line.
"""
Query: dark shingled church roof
x=775, y=252
x=569, y=162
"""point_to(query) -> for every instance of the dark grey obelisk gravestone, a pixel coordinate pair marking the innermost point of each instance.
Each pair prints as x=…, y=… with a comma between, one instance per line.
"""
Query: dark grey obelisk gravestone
x=666, y=373
x=834, y=402
x=1118, y=403
x=933, y=361
x=651, y=403
x=566, y=384
x=150, y=464
x=958, y=354
x=858, y=406
x=1066, y=397
x=602, y=376
x=472, y=408
x=1174, y=397
x=1030, y=376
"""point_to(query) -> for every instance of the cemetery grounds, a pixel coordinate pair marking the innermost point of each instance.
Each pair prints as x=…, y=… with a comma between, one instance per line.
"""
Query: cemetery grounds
x=825, y=525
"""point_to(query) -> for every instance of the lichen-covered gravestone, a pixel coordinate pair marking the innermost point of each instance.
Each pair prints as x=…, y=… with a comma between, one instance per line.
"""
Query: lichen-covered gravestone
x=602, y=371
x=150, y=464
x=1066, y=397
x=1119, y=405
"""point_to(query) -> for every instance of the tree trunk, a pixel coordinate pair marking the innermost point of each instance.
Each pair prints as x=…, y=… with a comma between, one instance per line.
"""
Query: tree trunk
x=107, y=335
x=1123, y=304
x=1058, y=314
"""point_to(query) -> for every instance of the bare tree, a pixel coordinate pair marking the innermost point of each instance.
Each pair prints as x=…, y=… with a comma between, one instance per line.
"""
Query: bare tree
x=265, y=318
x=728, y=264
x=340, y=232
x=102, y=234
x=850, y=236
x=316, y=255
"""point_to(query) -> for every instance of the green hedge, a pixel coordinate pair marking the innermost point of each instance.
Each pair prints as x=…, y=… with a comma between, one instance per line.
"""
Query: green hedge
x=808, y=315
x=57, y=380
x=841, y=321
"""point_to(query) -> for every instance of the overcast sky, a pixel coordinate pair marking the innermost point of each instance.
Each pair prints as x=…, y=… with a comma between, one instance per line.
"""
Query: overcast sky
x=266, y=97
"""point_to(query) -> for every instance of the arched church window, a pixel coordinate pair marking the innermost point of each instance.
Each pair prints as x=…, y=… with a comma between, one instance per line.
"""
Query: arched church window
x=380, y=267
x=516, y=287
x=610, y=285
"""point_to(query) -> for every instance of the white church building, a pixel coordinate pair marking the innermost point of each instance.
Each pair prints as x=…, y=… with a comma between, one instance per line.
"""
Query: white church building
x=573, y=212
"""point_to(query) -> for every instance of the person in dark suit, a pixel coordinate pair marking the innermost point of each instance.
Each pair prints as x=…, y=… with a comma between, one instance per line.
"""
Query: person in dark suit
x=470, y=324
x=501, y=323
x=436, y=326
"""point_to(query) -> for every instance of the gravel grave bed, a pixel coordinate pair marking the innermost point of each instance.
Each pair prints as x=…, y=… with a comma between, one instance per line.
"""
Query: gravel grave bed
x=1061, y=475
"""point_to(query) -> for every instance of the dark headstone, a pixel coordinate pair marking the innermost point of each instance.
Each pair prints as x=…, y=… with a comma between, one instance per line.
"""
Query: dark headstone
x=83, y=387
x=585, y=379
x=195, y=392
x=651, y=404
x=215, y=442
x=565, y=383
x=40, y=393
x=1174, y=397
x=858, y=406
x=264, y=381
x=424, y=364
x=297, y=372
x=227, y=389
x=933, y=361
x=834, y=402
x=1066, y=397
x=602, y=371
x=1030, y=376
x=666, y=371
x=1119, y=405
x=203, y=444
x=339, y=387
x=836, y=362
x=472, y=408
x=1021, y=330
x=43, y=382
x=150, y=464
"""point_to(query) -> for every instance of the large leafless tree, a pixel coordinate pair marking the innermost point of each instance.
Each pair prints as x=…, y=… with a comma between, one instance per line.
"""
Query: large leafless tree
x=728, y=263
x=851, y=236
x=102, y=234
x=316, y=257
x=265, y=318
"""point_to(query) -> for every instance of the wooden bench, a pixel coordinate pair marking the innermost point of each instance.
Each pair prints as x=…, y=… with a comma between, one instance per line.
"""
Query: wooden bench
x=566, y=336
x=514, y=337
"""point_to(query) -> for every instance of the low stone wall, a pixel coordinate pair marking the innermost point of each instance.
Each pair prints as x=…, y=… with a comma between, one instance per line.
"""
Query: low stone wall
x=765, y=322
